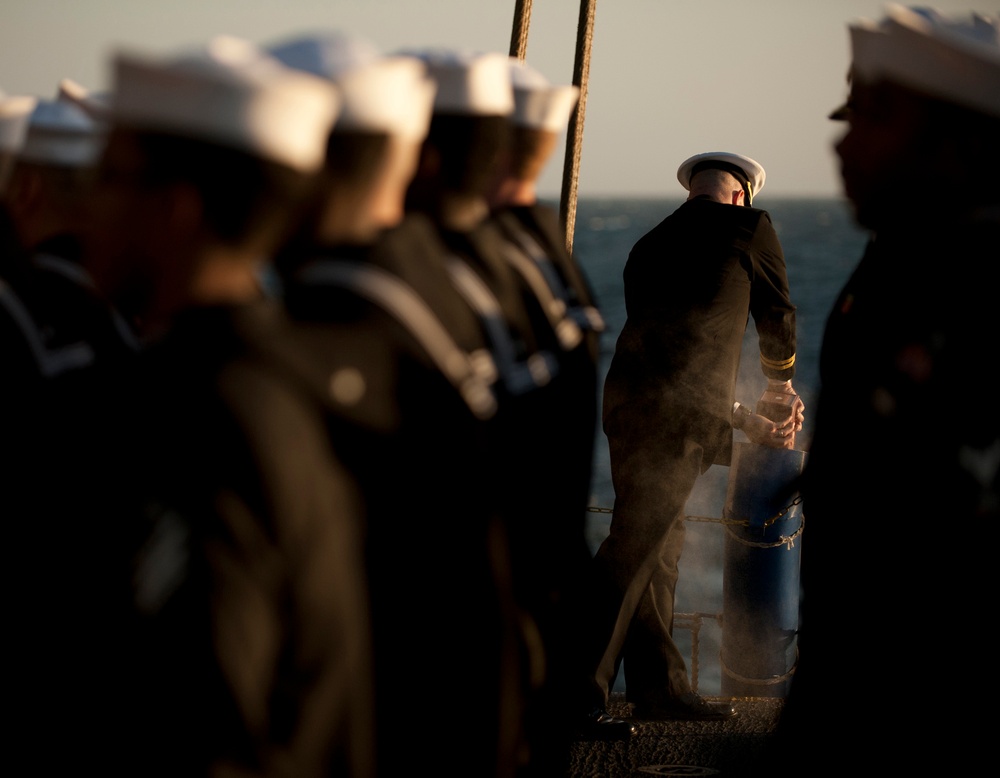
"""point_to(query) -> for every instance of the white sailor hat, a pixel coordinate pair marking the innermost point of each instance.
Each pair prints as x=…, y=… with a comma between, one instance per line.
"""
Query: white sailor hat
x=14, y=113
x=539, y=104
x=469, y=83
x=384, y=94
x=330, y=54
x=394, y=95
x=233, y=93
x=60, y=133
x=749, y=172
x=954, y=60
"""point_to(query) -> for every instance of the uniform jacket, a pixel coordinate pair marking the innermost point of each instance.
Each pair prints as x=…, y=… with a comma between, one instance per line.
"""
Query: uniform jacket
x=435, y=552
x=53, y=319
x=194, y=546
x=691, y=285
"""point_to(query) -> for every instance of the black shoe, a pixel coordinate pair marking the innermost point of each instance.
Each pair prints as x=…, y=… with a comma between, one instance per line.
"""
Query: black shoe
x=601, y=725
x=687, y=707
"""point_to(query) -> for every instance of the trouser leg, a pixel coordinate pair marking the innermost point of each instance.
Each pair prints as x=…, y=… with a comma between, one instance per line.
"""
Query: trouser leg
x=654, y=666
x=635, y=569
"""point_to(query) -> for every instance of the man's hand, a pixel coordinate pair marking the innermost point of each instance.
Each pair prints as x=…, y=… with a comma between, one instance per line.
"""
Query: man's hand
x=798, y=407
x=762, y=431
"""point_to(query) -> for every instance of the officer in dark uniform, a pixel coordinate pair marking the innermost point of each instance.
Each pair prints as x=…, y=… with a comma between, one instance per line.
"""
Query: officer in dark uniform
x=891, y=597
x=373, y=299
x=691, y=285
x=209, y=607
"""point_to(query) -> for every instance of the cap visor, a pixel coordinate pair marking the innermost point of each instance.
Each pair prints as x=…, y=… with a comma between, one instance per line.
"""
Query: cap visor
x=840, y=114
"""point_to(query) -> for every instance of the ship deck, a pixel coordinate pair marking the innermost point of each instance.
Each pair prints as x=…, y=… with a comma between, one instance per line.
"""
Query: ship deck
x=690, y=748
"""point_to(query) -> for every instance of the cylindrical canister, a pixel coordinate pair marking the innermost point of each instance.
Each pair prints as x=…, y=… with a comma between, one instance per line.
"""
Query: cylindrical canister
x=760, y=615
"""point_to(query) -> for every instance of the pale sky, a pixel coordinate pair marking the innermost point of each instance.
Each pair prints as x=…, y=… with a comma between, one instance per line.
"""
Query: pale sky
x=668, y=78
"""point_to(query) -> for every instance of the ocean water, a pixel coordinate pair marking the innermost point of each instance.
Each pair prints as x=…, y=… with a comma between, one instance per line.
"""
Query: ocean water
x=822, y=245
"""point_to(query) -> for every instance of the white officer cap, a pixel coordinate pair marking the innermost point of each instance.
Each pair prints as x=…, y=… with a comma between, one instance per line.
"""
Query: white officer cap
x=14, y=113
x=61, y=133
x=954, y=60
x=329, y=55
x=233, y=93
x=539, y=104
x=749, y=172
x=469, y=83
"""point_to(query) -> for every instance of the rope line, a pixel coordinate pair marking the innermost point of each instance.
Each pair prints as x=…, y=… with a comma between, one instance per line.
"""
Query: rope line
x=727, y=522
x=773, y=680
x=519, y=32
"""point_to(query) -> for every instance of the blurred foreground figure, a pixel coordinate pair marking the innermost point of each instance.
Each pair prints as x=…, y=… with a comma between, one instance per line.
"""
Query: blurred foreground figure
x=548, y=530
x=198, y=606
x=53, y=319
x=461, y=158
x=897, y=476
x=402, y=355
x=692, y=284
x=15, y=111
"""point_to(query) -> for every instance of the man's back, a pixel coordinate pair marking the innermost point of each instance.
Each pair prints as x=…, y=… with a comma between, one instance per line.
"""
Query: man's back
x=687, y=255
x=690, y=284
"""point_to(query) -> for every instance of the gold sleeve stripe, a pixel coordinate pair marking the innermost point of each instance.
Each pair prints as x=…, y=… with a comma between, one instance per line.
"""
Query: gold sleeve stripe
x=777, y=364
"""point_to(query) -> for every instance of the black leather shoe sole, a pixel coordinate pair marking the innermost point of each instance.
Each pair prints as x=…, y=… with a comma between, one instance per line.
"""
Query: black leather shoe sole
x=689, y=707
x=603, y=726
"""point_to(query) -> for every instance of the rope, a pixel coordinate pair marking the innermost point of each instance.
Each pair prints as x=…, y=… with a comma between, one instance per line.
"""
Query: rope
x=519, y=33
x=574, y=143
x=581, y=78
x=774, y=680
x=783, y=540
